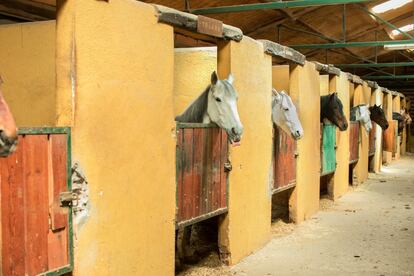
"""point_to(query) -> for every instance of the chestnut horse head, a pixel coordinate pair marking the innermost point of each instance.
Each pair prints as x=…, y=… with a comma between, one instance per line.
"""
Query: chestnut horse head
x=8, y=129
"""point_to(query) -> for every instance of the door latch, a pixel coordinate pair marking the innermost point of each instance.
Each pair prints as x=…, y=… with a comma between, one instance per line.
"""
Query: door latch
x=228, y=167
x=68, y=199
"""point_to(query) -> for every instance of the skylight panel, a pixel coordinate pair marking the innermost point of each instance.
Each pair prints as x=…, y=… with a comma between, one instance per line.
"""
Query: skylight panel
x=405, y=28
x=389, y=5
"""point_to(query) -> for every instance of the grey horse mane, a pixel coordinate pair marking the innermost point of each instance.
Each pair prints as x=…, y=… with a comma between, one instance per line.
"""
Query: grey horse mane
x=195, y=112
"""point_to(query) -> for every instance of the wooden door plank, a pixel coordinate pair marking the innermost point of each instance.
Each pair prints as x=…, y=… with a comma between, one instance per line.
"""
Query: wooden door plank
x=13, y=213
x=37, y=211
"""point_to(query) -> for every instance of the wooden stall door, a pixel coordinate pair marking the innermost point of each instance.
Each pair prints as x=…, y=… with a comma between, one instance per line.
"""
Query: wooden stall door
x=354, y=142
x=390, y=136
x=328, y=154
x=202, y=190
x=34, y=228
x=372, y=137
x=284, y=164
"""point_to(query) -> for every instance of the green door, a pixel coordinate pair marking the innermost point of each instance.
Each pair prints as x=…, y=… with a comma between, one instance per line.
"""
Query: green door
x=328, y=149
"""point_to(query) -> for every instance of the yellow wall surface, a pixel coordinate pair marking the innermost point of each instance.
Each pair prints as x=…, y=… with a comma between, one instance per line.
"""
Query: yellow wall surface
x=123, y=135
x=387, y=106
x=247, y=224
x=361, y=96
x=305, y=92
x=281, y=77
x=404, y=134
x=27, y=67
x=396, y=107
x=377, y=98
x=340, y=84
x=192, y=74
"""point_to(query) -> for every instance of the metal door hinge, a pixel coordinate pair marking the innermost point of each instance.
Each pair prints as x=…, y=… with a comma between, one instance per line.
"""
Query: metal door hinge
x=68, y=199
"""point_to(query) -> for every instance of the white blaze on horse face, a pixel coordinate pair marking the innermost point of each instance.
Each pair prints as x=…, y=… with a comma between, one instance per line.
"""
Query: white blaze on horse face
x=284, y=114
x=222, y=109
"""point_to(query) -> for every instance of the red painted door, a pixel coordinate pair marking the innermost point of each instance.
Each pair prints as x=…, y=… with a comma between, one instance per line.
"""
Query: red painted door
x=201, y=177
x=34, y=228
x=284, y=160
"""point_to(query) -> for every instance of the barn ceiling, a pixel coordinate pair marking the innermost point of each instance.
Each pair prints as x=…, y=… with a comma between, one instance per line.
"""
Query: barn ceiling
x=334, y=24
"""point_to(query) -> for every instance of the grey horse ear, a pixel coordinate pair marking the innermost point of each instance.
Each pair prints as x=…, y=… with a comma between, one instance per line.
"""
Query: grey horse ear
x=230, y=78
x=276, y=94
x=214, y=78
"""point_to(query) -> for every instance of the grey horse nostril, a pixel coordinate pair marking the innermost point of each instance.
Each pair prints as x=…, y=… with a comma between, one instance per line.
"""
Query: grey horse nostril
x=234, y=131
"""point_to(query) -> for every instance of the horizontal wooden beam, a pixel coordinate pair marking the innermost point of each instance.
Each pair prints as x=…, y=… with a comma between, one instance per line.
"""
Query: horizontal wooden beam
x=275, y=49
x=351, y=44
x=367, y=65
x=390, y=77
x=273, y=5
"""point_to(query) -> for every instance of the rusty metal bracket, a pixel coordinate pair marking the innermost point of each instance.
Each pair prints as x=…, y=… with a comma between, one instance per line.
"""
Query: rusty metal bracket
x=68, y=199
x=227, y=166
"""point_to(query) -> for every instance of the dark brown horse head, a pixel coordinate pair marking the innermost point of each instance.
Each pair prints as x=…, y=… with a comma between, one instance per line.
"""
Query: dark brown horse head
x=8, y=129
x=332, y=109
x=378, y=116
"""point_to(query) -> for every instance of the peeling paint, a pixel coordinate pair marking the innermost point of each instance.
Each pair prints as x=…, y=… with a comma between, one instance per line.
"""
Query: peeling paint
x=81, y=188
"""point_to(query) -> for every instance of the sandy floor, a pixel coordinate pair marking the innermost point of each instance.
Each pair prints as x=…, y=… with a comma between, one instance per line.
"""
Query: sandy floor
x=369, y=231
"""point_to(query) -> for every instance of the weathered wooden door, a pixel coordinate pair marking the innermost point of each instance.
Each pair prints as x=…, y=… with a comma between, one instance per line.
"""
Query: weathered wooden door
x=284, y=165
x=328, y=154
x=372, y=137
x=36, y=233
x=353, y=141
x=390, y=136
x=202, y=164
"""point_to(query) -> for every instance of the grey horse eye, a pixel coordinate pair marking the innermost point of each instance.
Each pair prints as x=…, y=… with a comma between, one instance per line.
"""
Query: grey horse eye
x=286, y=109
x=218, y=100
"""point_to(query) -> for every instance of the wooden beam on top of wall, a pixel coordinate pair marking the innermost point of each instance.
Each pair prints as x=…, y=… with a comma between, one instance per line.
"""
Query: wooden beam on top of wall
x=372, y=84
x=189, y=22
x=355, y=79
x=275, y=49
x=327, y=69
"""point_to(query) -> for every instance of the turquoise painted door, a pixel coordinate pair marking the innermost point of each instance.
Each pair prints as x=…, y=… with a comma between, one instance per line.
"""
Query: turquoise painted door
x=328, y=149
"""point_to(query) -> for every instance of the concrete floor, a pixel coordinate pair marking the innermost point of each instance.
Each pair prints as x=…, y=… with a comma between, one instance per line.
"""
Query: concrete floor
x=369, y=231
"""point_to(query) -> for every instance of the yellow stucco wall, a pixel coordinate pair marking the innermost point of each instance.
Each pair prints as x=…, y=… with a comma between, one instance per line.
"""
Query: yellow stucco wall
x=305, y=92
x=123, y=136
x=362, y=96
x=247, y=224
x=281, y=77
x=340, y=84
x=192, y=74
x=27, y=67
x=387, y=105
x=377, y=98
x=396, y=107
x=404, y=134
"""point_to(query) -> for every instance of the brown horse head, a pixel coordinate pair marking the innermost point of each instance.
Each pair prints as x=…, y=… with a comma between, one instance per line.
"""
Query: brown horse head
x=8, y=129
x=332, y=109
x=378, y=116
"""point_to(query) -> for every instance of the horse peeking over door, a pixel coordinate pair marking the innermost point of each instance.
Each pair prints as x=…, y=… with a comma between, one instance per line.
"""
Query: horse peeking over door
x=361, y=113
x=378, y=116
x=8, y=129
x=217, y=104
x=332, y=110
x=284, y=114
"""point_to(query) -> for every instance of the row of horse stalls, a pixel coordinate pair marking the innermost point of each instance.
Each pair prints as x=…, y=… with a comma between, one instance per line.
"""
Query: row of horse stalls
x=131, y=181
